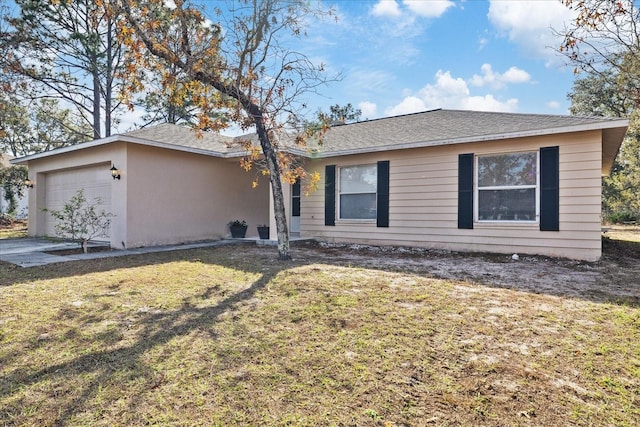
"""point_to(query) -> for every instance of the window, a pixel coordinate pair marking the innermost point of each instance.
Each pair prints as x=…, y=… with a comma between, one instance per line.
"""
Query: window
x=358, y=190
x=507, y=187
x=363, y=193
x=295, y=198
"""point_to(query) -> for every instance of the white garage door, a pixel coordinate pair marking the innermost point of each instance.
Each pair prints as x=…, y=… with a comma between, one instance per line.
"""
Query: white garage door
x=62, y=186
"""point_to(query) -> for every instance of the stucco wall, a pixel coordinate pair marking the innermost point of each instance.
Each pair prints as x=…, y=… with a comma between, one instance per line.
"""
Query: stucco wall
x=176, y=197
x=423, y=201
x=163, y=197
x=39, y=169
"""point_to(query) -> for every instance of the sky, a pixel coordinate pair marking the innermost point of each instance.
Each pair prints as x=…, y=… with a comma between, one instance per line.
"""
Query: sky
x=403, y=56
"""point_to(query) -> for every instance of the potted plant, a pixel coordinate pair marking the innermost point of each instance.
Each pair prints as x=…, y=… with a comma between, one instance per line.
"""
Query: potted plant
x=263, y=231
x=238, y=228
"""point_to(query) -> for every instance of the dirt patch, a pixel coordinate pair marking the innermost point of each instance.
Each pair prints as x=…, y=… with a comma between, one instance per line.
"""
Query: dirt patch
x=78, y=251
x=340, y=335
x=616, y=277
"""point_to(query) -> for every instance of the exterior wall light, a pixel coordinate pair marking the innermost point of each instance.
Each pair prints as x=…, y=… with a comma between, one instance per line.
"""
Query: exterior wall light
x=28, y=183
x=115, y=172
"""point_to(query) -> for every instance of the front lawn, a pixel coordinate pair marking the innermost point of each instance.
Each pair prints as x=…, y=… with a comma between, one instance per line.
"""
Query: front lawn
x=10, y=229
x=339, y=336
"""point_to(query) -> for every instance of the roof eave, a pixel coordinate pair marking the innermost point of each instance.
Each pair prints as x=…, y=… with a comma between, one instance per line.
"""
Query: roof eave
x=613, y=124
x=124, y=138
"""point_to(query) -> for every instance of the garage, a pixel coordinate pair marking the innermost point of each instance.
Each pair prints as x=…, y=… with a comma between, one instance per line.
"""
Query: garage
x=60, y=186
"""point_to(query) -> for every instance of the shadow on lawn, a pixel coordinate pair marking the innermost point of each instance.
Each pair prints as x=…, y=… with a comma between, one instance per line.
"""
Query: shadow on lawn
x=102, y=365
x=11, y=274
x=617, y=272
x=158, y=328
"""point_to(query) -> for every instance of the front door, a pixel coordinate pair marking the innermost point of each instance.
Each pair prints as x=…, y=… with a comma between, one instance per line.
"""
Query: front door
x=295, y=208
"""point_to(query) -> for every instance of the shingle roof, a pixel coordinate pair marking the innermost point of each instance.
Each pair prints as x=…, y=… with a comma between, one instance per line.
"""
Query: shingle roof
x=429, y=128
x=440, y=127
x=184, y=137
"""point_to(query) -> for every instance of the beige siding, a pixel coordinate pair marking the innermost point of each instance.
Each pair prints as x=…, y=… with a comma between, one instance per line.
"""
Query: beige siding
x=423, y=201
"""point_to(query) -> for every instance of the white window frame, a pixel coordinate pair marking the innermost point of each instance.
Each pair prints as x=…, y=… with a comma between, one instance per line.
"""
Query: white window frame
x=340, y=193
x=476, y=189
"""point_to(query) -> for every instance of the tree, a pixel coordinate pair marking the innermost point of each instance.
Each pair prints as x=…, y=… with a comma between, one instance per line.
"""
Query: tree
x=12, y=179
x=621, y=199
x=55, y=127
x=605, y=37
x=70, y=50
x=604, y=43
x=81, y=220
x=341, y=115
x=172, y=103
x=15, y=130
x=598, y=94
x=42, y=126
x=240, y=65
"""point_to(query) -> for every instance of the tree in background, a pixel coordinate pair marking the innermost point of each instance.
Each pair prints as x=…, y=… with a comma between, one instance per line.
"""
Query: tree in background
x=240, y=65
x=172, y=104
x=42, y=126
x=604, y=43
x=69, y=49
x=55, y=127
x=12, y=179
x=598, y=94
x=15, y=129
x=605, y=38
x=341, y=114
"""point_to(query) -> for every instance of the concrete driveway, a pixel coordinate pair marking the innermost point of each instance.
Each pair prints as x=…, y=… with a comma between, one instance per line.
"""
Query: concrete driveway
x=31, y=252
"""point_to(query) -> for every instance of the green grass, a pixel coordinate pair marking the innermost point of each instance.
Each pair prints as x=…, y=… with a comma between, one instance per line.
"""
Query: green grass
x=228, y=336
x=13, y=229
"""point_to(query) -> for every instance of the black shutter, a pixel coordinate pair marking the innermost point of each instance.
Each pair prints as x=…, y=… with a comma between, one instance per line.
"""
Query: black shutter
x=383, y=194
x=330, y=195
x=549, y=189
x=465, y=191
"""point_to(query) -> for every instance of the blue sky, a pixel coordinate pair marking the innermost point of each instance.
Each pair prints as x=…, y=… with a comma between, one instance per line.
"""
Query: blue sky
x=404, y=56
x=401, y=56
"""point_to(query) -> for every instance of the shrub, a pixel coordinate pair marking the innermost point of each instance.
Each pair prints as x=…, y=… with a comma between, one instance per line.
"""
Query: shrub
x=81, y=221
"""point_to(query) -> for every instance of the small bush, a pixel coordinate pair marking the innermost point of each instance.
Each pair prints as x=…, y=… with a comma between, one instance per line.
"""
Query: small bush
x=622, y=217
x=81, y=221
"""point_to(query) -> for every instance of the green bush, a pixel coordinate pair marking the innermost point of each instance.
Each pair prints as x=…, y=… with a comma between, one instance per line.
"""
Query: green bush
x=81, y=221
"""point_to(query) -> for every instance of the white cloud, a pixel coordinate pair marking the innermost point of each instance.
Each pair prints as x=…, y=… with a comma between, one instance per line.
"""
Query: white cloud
x=482, y=42
x=554, y=105
x=386, y=8
x=497, y=80
x=516, y=75
x=429, y=9
x=530, y=24
x=410, y=104
x=447, y=91
x=488, y=103
x=360, y=80
x=426, y=9
x=369, y=109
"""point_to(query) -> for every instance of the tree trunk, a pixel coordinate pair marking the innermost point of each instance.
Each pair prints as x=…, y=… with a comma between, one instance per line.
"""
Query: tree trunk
x=96, y=101
x=85, y=246
x=284, y=252
x=108, y=94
